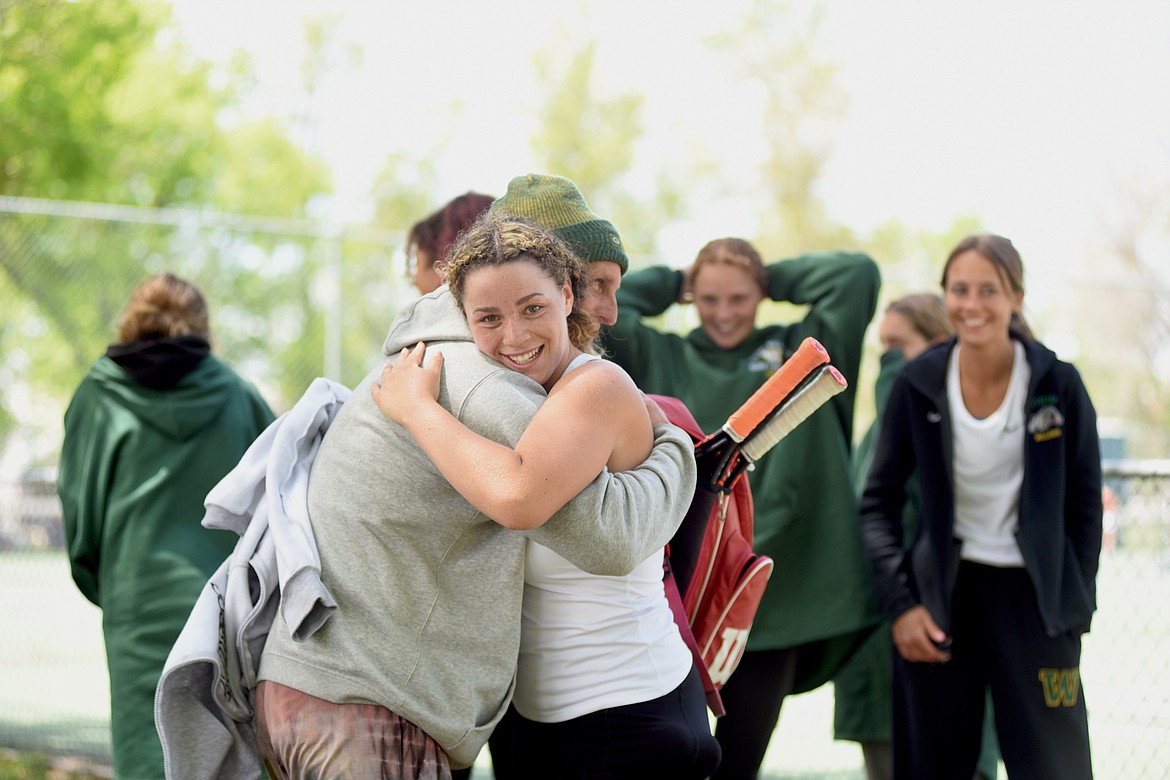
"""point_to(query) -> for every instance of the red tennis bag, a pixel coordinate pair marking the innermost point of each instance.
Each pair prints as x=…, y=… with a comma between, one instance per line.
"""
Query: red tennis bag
x=714, y=580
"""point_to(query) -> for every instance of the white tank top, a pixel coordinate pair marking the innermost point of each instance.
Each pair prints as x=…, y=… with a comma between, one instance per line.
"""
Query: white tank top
x=988, y=468
x=589, y=642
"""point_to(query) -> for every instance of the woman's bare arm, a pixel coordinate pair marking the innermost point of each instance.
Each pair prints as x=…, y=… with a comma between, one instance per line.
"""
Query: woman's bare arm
x=593, y=418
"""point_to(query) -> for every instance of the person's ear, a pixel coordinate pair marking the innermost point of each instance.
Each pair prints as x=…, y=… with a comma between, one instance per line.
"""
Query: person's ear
x=567, y=293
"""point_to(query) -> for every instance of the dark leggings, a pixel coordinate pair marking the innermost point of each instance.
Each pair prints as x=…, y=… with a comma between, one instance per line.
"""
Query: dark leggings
x=664, y=737
x=752, y=698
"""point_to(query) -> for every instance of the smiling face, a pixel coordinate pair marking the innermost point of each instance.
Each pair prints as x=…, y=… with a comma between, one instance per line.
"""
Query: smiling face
x=726, y=297
x=979, y=301
x=517, y=314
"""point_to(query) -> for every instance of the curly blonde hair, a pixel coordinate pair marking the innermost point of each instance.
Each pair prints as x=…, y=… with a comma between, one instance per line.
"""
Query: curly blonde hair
x=164, y=307
x=496, y=239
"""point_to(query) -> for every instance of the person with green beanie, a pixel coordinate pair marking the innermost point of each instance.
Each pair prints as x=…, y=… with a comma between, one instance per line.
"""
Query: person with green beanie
x=153, y=426
x=555, y=203
x=819, y=604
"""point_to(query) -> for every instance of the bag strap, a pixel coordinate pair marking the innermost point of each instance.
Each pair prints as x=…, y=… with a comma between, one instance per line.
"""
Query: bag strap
x=674, y=598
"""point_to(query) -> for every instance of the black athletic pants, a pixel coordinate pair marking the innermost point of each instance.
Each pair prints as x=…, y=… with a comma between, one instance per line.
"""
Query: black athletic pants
x=999, y=642
x=664, y=737
x=752, y=699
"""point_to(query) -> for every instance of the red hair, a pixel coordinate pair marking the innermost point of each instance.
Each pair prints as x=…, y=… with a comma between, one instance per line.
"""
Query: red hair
x=454, y=218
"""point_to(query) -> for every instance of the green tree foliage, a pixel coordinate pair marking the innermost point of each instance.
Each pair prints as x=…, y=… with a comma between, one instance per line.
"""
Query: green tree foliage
x=592, y=140
x=55, y=77
x=774, y=47
x=405, y=189
x=1120, y=320
x=98, y=102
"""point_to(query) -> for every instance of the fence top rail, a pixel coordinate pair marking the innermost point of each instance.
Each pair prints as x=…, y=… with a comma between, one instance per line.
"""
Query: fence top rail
x=1132, y=467
x=204, y=218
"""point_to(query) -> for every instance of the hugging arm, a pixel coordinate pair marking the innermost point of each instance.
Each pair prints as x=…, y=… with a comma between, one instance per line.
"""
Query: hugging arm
x=621, y=518
x=564, y=448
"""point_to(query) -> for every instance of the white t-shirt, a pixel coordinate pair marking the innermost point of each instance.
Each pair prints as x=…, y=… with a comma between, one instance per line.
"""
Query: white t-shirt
x=589, y=642
x=988, y=468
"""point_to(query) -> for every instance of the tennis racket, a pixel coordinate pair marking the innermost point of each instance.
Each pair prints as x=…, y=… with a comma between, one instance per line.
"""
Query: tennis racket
x=719, y=455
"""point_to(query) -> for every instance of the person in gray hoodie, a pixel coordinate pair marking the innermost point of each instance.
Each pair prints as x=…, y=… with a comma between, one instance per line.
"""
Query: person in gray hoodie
x=606, y=685
x=417, y=664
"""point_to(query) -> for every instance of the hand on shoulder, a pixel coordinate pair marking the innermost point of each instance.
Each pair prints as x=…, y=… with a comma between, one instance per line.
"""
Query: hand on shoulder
x=407, y=383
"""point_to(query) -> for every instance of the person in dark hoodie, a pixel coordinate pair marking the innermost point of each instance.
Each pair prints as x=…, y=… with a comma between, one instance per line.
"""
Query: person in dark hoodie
x=155, y=424
x=862, y=690
x=998, y=581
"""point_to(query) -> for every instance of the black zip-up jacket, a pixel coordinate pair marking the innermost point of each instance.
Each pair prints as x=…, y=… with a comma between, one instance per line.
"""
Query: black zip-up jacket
x=1060, y=500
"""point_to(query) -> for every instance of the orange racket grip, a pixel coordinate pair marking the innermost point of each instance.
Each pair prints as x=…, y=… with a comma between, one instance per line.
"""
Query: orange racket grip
x=809, y=356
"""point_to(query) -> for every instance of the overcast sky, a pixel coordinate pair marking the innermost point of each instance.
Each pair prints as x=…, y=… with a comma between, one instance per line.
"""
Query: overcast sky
x=1031, y=115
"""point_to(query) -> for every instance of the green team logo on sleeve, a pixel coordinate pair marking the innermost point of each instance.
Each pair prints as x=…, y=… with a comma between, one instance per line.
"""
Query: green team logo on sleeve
x=1061, y=686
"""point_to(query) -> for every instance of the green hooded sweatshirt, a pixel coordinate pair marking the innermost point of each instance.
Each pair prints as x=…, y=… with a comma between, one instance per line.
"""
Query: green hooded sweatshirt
x=805, y=509
x=136, y=464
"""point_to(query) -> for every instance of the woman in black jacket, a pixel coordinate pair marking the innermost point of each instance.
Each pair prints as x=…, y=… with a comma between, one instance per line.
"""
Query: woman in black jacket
x=998, y=584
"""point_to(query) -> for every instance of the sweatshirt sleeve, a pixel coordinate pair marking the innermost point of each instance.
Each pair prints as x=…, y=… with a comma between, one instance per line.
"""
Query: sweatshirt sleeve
x=630, y=343
x=841, y=291
x=1082, y=502
x=84, y=473
x=622, y=518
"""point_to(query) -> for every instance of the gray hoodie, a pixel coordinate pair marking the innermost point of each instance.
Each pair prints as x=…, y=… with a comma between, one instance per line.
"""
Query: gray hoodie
x=428, y=590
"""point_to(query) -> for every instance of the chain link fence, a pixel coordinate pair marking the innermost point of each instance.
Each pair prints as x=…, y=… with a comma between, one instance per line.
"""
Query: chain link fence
x=54, y=693
x=292, y=300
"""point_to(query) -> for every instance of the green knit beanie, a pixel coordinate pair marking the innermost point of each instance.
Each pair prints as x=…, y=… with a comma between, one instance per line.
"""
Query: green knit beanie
x=555, y=203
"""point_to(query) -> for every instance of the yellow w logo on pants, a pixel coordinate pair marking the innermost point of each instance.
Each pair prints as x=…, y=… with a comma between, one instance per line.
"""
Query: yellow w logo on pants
x=1061, y=686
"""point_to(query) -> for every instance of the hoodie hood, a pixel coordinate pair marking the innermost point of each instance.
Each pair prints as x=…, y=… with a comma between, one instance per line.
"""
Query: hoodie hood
x=178, y=413
x=161, y=363
x=433, y=318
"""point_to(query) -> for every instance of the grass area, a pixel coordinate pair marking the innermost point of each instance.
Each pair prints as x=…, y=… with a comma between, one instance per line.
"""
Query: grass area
x=38, y=766
x=56, y=691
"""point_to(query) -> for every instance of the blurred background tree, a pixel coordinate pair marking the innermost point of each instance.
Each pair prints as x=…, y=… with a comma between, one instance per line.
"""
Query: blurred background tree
x=593, y=139
x=103, y=102
x=99, y=103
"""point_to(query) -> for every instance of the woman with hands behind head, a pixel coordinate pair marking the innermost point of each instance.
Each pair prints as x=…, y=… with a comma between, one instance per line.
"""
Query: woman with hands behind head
x=818, y=603
x=605, y=684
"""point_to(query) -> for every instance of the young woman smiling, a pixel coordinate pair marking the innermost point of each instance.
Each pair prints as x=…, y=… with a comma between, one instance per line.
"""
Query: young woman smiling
x=819, y=601
x=605, y=686
x=997, y=584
